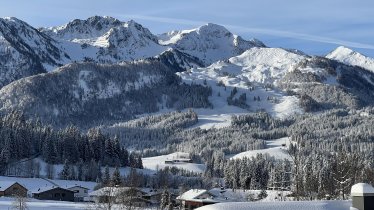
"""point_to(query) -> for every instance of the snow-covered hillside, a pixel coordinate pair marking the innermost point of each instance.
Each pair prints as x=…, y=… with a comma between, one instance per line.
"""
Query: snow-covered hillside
x=209, y=42
x=158, y=162
x=276, y=148
x=351, y=57
x=250, y=73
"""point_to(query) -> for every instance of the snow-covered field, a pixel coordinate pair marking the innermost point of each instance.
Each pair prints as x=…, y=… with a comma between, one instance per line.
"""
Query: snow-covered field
x=274, y=149
x=282, y=205
x=32, y=204
x=158, y=162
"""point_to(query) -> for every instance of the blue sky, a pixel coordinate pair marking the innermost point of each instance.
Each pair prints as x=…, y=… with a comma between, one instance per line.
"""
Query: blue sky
x=314, y=26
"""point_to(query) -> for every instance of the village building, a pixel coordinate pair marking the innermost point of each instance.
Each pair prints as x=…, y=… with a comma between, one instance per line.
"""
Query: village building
x=179, y=157
x=362, y=196
x=80, y=193
x=9, y=188
x=141, y=197
x=152, y=195
x=53, y=193
x=196, y=198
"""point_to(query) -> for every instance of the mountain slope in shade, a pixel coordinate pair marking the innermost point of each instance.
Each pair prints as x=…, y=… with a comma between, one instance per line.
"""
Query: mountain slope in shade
x=89, y=93
x=350, y=57
x=24, y=51
x=209, y=42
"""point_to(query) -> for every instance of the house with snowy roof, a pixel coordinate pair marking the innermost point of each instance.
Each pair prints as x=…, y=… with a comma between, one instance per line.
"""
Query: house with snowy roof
x=10, y=188
x=140, y=197
x=79, y=192
x=362, y=196
x=53, y=193
x=196, y=198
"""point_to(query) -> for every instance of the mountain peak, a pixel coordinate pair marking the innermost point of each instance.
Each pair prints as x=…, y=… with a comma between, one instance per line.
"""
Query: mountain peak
x=210, y=42
x=351, y=57
x=77, y=28
x=211, y=28
x=342, y=50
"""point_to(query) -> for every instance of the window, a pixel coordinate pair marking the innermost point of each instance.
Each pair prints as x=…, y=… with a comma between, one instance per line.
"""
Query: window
x=85, y=191
x=63, y=194
x=57, y=195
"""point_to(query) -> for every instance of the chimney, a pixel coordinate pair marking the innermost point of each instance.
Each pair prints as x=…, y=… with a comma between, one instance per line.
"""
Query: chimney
x=362, y=196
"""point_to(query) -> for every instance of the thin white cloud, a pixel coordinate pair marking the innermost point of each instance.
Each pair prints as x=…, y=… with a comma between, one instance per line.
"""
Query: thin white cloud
x=280, y=33
x=301, y=36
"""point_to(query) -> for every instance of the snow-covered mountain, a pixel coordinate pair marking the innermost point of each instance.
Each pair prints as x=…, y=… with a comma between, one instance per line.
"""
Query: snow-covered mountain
x=27, y=51
x=350, y=57
x=209, y=42
x=24, y=51
x=105, y=39
x=225, y=73
x=281, y=82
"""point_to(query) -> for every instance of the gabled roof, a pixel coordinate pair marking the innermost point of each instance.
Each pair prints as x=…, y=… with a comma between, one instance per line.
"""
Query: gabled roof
x=72, y=186
x=47, y=188
x=192, y=194
x=6, y=184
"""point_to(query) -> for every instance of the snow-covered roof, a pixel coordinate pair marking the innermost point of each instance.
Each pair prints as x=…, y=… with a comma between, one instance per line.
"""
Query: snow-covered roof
x=73, y=186
x=46, y=188
x=361, y=189
x=192, y=194
x=6, y=184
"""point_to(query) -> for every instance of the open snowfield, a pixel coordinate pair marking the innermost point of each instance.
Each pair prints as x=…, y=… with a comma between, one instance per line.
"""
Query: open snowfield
x=158, y=162
x=6, y=203
x=283, y=205
x=274, y=149
x=33, y=204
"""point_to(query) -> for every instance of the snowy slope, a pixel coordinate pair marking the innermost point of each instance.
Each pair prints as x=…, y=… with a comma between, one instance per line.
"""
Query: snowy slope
x=209, y=42
x=274, y=149
x=350, y=57
x=249, y=73
x=284, y=205
x=158, y=162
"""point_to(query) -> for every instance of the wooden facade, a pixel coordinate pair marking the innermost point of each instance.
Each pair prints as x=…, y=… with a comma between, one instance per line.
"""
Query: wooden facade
x=14, y=189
